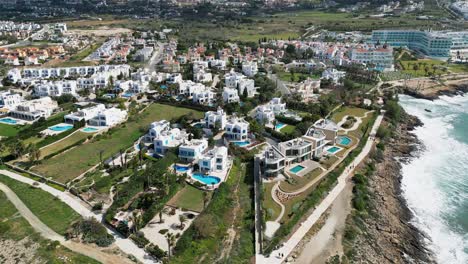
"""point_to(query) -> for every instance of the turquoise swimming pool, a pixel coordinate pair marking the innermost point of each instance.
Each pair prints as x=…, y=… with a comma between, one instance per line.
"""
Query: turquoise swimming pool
x=89, y=129
x=241, y=143
x=297, y=169
x=279, y=126
x=343, y=140
x=179, y=168
x=61, y=128
x=8, y=121
x=208, y=180
x=333, y=149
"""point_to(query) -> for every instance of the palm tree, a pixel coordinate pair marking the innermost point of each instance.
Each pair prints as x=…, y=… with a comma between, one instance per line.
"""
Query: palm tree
x=17, y=148
x=182, y=220
x=170, y=242
x=136, y=220
x=34, y=153
x=164, y=210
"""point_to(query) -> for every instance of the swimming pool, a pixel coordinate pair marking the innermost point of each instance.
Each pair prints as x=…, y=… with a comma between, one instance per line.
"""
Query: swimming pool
x=179, y=168
x=8, y=121
x=297, y=169
x=127, y=95
x=208, y=180
x=241, y=143
x=333, y=149
x=61, y=128
x=89, y=129
x=279, y=126
x=343, y=140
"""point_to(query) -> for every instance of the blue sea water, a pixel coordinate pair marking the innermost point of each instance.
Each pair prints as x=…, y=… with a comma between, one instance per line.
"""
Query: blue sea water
x=435, y=184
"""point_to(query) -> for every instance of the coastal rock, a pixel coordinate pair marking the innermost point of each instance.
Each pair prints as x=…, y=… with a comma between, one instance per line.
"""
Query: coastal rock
x=389, y=236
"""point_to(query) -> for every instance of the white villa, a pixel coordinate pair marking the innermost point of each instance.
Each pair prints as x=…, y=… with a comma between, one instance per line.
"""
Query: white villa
x=230, y=95
x=84, y=114
x=273, y=162
x=202, y=76
x=216, y=119
x=296, y=150
x=193, y=149
x=328, y=127
x=168, y=138
x=108, y=117
x=55, y=88
x=333, y=74
x=307, y=89
x=155, y=130
x=9, y=100
x=250, y=68
x=237, y=129
x=203, y=97
x=277, y=106
x=265, y=115
x=317, y=139
x=240, y=82
x=214, y=160
x=34, y=109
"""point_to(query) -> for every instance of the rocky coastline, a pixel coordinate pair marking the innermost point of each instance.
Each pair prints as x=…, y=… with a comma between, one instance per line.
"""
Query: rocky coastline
x=389, y=237
x=450, y=90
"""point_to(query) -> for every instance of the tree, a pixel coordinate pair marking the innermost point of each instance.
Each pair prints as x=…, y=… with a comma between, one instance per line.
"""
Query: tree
x=34, y=153
x=170, y=242
x=182, y=220
x=17, y=148
x=164, y=210
x=205, y=199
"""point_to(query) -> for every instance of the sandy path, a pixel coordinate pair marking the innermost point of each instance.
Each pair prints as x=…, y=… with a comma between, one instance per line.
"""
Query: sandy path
x=327, y=241
x=50, y=234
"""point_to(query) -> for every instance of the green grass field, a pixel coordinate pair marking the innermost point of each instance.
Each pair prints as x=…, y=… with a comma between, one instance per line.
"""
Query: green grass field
x=15, y=227
x=286, y=76
x=72, y=163
x=51, y=211
x=344, y=111
x=8, y=130
x=189, y=198
x=298, y=182
x=288, y=129
x=271, y=207
x=53, y=148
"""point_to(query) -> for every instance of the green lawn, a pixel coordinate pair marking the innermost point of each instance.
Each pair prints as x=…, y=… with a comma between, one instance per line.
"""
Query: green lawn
x=424, y=67
x=15, y=227
x=288, y=129
x=8, y=130
x=72, y=163
x=53, y=148
x=345, y=110
x=297, y=182
x=296, y=77
x=51, y=211
x=272, y=209
x=189, y=198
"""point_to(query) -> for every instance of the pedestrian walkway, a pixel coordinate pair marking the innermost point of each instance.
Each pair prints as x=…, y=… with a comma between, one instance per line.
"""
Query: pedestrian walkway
x=125, y=244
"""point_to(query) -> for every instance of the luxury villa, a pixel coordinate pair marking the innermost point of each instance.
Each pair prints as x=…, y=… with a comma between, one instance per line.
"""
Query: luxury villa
x=192, y=150
x=34, y=109
x=237, y=129
x=216, y=119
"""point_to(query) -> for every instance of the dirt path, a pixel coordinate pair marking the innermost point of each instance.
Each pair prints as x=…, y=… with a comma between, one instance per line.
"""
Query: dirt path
x=231, y=232
x=327, y=241
x=50, y=234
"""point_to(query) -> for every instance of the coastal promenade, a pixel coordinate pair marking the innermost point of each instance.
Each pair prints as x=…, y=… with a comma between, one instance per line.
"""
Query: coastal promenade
x=124, y=244
x=279, y=255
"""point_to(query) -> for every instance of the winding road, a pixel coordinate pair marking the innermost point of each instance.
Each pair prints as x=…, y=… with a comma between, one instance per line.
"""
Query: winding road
x=124, y=244
x=50, y=234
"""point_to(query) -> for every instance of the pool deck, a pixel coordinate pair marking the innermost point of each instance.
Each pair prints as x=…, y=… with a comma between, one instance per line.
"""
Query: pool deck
x=19, y=122
x=50, y=132
x=309, y=165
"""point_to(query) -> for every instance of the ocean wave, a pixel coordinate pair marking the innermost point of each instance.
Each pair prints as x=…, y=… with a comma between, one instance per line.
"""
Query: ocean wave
x=435, y=184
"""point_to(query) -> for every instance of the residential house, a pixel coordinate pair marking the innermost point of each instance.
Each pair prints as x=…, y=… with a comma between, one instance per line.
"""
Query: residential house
x=55, y=88
x=216, y=119
x=34, y=109
x=250, y=68
x=9, y=100
x=230, y=95
x=237, y=129
x=167, y=139
x=328, y=127
x=109, y=117
x=296, y=150
x=273, y=162
x=265, y=115
x=333, y=74
x=84, y=114
x=192, y=150
x=240, y=82
x=215, y=160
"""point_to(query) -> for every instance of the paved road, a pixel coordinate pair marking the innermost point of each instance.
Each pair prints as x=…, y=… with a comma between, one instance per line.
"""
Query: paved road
x=156, y=58
x=125, y=244
x=280, y=255
x=50, y=234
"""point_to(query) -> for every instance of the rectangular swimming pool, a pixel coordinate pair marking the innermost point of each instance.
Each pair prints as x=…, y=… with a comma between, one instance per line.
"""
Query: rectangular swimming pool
x=333, y=149
x=8, y=121
x=343, y=140
x=297, y=169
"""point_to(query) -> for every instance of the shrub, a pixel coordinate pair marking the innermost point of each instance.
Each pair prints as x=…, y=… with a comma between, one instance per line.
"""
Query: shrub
x=140, y=240
x=155, y=251
x=91, y=231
